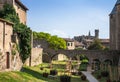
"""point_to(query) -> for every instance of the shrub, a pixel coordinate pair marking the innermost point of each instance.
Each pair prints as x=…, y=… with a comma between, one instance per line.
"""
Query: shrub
x=108, y=80
x=83, y=77
x=41, y=68
x=45, y=74
x=65, y=78
x=105, y=73
x=53, y=72
x=99, y=77
x=79, y=73
x=73, y=73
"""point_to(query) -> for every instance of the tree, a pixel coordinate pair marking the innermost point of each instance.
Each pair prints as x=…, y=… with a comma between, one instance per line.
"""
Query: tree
x=55, y=42
x=96, y=45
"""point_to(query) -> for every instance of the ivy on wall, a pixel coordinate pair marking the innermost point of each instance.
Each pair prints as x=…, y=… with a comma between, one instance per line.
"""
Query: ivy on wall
x=24, y=33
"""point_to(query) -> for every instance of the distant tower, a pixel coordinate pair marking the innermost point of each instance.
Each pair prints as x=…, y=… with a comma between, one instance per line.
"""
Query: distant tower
x=96, y=33
x=115, y=27
x=89, y=34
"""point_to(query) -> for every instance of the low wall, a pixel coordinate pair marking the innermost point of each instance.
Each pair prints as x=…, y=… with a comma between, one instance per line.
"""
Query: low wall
x=36, y=57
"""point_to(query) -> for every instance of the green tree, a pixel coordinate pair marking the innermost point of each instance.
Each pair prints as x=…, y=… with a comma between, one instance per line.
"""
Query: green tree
x=55, y=42
x=96, y=45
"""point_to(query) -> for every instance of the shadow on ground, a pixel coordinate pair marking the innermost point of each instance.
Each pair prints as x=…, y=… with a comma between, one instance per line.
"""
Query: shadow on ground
x=33, y=73
x=36, y=74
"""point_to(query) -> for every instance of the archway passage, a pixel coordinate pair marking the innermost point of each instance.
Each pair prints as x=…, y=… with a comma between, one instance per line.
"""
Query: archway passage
x=90, y=54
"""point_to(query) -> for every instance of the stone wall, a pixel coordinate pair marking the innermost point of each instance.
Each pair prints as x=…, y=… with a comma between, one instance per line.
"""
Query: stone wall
x=36, y=57
x=21, y=10
x=8, y=61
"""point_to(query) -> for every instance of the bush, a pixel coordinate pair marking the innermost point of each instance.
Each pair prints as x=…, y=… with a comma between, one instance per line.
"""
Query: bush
x=65, y=78
x=108, y=80
x=105, y=73
x=79, y=73
x=53, y=72
x=41, y=68
x=99, y=77
x=83, y=77
x=45, y=74
x=73, y=73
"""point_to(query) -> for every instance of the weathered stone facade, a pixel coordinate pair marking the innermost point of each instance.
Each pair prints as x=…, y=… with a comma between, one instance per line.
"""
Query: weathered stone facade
x=35, y=58
x=21, y=9
x=8, y=61
x=115, y=27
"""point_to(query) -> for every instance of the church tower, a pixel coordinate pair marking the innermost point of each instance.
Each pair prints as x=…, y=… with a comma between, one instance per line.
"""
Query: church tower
x=115, y=27
x=96, y=33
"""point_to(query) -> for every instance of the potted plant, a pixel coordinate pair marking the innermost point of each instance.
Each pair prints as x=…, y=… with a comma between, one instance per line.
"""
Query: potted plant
x=98, y=76
x=79, y=73
x=53, y=72
x=105, y=73
x=83, y=77
x=41, y=68
x=45, y=74
x=65, y=78
x=108, y=80
x=73, y=73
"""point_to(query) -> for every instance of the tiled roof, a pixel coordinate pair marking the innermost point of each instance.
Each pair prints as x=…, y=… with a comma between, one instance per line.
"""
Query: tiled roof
x=68, y=39
x=21, y=4
x=114, y=9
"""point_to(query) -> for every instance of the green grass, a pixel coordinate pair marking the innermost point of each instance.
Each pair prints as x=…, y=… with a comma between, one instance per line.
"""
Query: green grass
x=34, y=74
x=103, y=79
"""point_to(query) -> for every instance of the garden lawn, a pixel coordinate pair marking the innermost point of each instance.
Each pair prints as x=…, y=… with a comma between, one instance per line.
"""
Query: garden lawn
x=34, y=74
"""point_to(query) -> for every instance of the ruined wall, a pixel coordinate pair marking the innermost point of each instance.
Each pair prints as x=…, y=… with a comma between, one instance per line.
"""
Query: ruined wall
x=36, y=57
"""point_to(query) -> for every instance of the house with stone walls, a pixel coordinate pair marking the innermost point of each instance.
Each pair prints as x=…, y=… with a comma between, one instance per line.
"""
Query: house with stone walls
x=8, y=60
x=20, y=8
x=9, y=54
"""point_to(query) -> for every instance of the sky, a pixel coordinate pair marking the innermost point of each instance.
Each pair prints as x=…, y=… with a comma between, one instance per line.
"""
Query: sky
x=69, y=18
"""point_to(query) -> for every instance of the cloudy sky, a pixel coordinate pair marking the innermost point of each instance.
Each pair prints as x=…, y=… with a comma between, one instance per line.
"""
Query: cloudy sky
x=69, y=18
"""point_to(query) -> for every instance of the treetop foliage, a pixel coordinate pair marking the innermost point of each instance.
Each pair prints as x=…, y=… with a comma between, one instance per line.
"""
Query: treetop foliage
x=96, y=45
x=55, y=42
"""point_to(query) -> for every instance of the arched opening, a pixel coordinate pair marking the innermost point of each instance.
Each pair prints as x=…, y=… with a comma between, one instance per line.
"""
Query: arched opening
x=46, y=58
x=106, y=64
x=60, y=57
x=84, y=62
x=96, y=64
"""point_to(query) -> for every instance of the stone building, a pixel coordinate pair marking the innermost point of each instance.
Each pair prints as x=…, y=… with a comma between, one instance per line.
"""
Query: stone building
x=115, y=27
x=88, y=39
x=70, y=44
x=20, y=8
x=8, y=61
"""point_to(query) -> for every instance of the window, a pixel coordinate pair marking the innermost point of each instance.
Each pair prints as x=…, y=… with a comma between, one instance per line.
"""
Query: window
x=68, y=44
